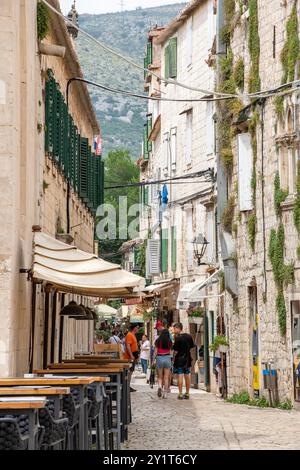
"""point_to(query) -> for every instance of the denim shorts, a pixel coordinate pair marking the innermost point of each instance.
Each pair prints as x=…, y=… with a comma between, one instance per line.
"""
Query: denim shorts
x=182, y=370
x=163, y=362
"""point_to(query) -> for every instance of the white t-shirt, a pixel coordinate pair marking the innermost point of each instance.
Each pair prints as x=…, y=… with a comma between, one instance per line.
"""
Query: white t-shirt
x=145, y=354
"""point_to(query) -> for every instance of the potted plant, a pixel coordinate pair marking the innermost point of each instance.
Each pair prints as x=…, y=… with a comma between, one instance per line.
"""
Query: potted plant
x=220, y=344
x=196, y=315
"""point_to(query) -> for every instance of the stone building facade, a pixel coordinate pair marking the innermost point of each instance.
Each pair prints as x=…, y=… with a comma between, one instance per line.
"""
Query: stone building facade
x=181, y=144
x=34, y=190
x=261, y=190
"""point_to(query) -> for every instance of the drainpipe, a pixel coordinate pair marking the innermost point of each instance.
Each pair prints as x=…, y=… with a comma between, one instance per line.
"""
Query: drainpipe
x=228, y=245
x=221, y=175
x=263, y=102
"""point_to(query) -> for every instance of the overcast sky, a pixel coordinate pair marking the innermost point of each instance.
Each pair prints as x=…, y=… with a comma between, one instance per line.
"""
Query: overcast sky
x=106, y=6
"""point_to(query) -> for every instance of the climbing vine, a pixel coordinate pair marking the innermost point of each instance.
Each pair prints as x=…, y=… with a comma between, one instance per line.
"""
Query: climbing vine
x=42, y=20
x=228, y=215
x=279, y=195
x=283, y=273
x=290, y=55
x=239, y=74
x=252, y=220
x=254, y=47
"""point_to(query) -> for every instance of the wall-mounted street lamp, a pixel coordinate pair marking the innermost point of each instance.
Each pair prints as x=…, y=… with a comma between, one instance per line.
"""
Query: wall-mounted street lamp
x=200, y=246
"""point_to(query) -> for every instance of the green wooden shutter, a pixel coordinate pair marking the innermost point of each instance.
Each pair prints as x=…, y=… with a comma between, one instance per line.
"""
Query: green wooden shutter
x=84, y=150
x=56, y=123
x=77, y=160
x=164, y=251
x=167, y=62
x=173, y=58
x=49, y=115
x=146, y=152
x=102, y=166
x=149, y=53
x=146, y=195
x=148, y=134
x=174, y=249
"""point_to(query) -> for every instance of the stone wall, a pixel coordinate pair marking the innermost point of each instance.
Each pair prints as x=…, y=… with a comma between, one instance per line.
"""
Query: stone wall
x=251, y=264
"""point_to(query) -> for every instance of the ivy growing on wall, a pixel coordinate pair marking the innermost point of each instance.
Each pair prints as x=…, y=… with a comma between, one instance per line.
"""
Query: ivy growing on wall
x=279, y=195
x=231, y=78
x=42, y=20
x=252, y=220
x=290, y=54
x=239, y=74
x=228, y=215
x=283, y=273
x=254, y=47
x=297, y=208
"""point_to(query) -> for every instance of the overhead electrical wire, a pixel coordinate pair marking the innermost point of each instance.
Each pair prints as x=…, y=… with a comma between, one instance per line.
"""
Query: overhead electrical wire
x=131, y=62
x=146, y=97
x=209, y=174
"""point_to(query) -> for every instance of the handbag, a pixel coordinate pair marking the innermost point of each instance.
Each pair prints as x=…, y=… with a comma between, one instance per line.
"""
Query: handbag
x=196, y=368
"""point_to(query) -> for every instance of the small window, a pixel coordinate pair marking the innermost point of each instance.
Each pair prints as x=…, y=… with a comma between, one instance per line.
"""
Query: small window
x=245, y=172
x=171, y=59
x=173, y=147
x=188, y=137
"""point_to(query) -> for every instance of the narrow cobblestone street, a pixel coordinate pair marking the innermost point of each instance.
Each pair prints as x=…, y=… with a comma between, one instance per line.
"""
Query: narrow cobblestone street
x=206, y=422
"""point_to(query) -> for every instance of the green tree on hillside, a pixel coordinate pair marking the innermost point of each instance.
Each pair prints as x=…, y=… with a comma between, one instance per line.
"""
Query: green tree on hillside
x=119, y=169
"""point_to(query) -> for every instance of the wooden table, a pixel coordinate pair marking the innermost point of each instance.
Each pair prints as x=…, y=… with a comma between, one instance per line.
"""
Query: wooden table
x=28, y=406
x=78, y=383
x=54, y=393
x=119, y=374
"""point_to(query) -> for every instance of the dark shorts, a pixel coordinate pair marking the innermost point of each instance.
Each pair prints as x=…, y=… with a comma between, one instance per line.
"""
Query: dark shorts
x=182, y=370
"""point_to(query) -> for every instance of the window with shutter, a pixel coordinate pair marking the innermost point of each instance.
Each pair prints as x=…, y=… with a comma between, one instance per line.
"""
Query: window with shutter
x=245, y=171
x=210, y=127
x=150, y=123
x=167, y=62
x=57, y=123
x=49, y=116
x=173, y=58
x=174, y=147
x=77, y=161
x=166, y=150
x=146, y=153
x=149, y=53
x=153, y=258
x=164, y=251
x=188, y=137
x=84, y=150
x=174, y=249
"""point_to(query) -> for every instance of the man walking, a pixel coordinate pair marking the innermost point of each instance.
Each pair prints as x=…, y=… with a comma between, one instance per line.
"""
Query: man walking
x=183, y=360
x=131, y=349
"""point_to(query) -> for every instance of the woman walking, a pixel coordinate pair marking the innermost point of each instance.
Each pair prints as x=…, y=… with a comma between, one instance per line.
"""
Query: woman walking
x=163, y=358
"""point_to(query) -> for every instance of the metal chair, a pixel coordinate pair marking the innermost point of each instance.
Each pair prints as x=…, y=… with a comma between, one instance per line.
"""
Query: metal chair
x=10, y=435
x=55, y=430
x=72, y=410
x=94, y=418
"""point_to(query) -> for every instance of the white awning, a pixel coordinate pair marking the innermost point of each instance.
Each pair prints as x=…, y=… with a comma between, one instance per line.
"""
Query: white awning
x=159, y=287
x=191, y=293
x=71, y=270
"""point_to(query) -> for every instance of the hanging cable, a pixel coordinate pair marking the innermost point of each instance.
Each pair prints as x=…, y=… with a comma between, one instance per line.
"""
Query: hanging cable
x=208, y=174
x=145, y=97
x=130, y=61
